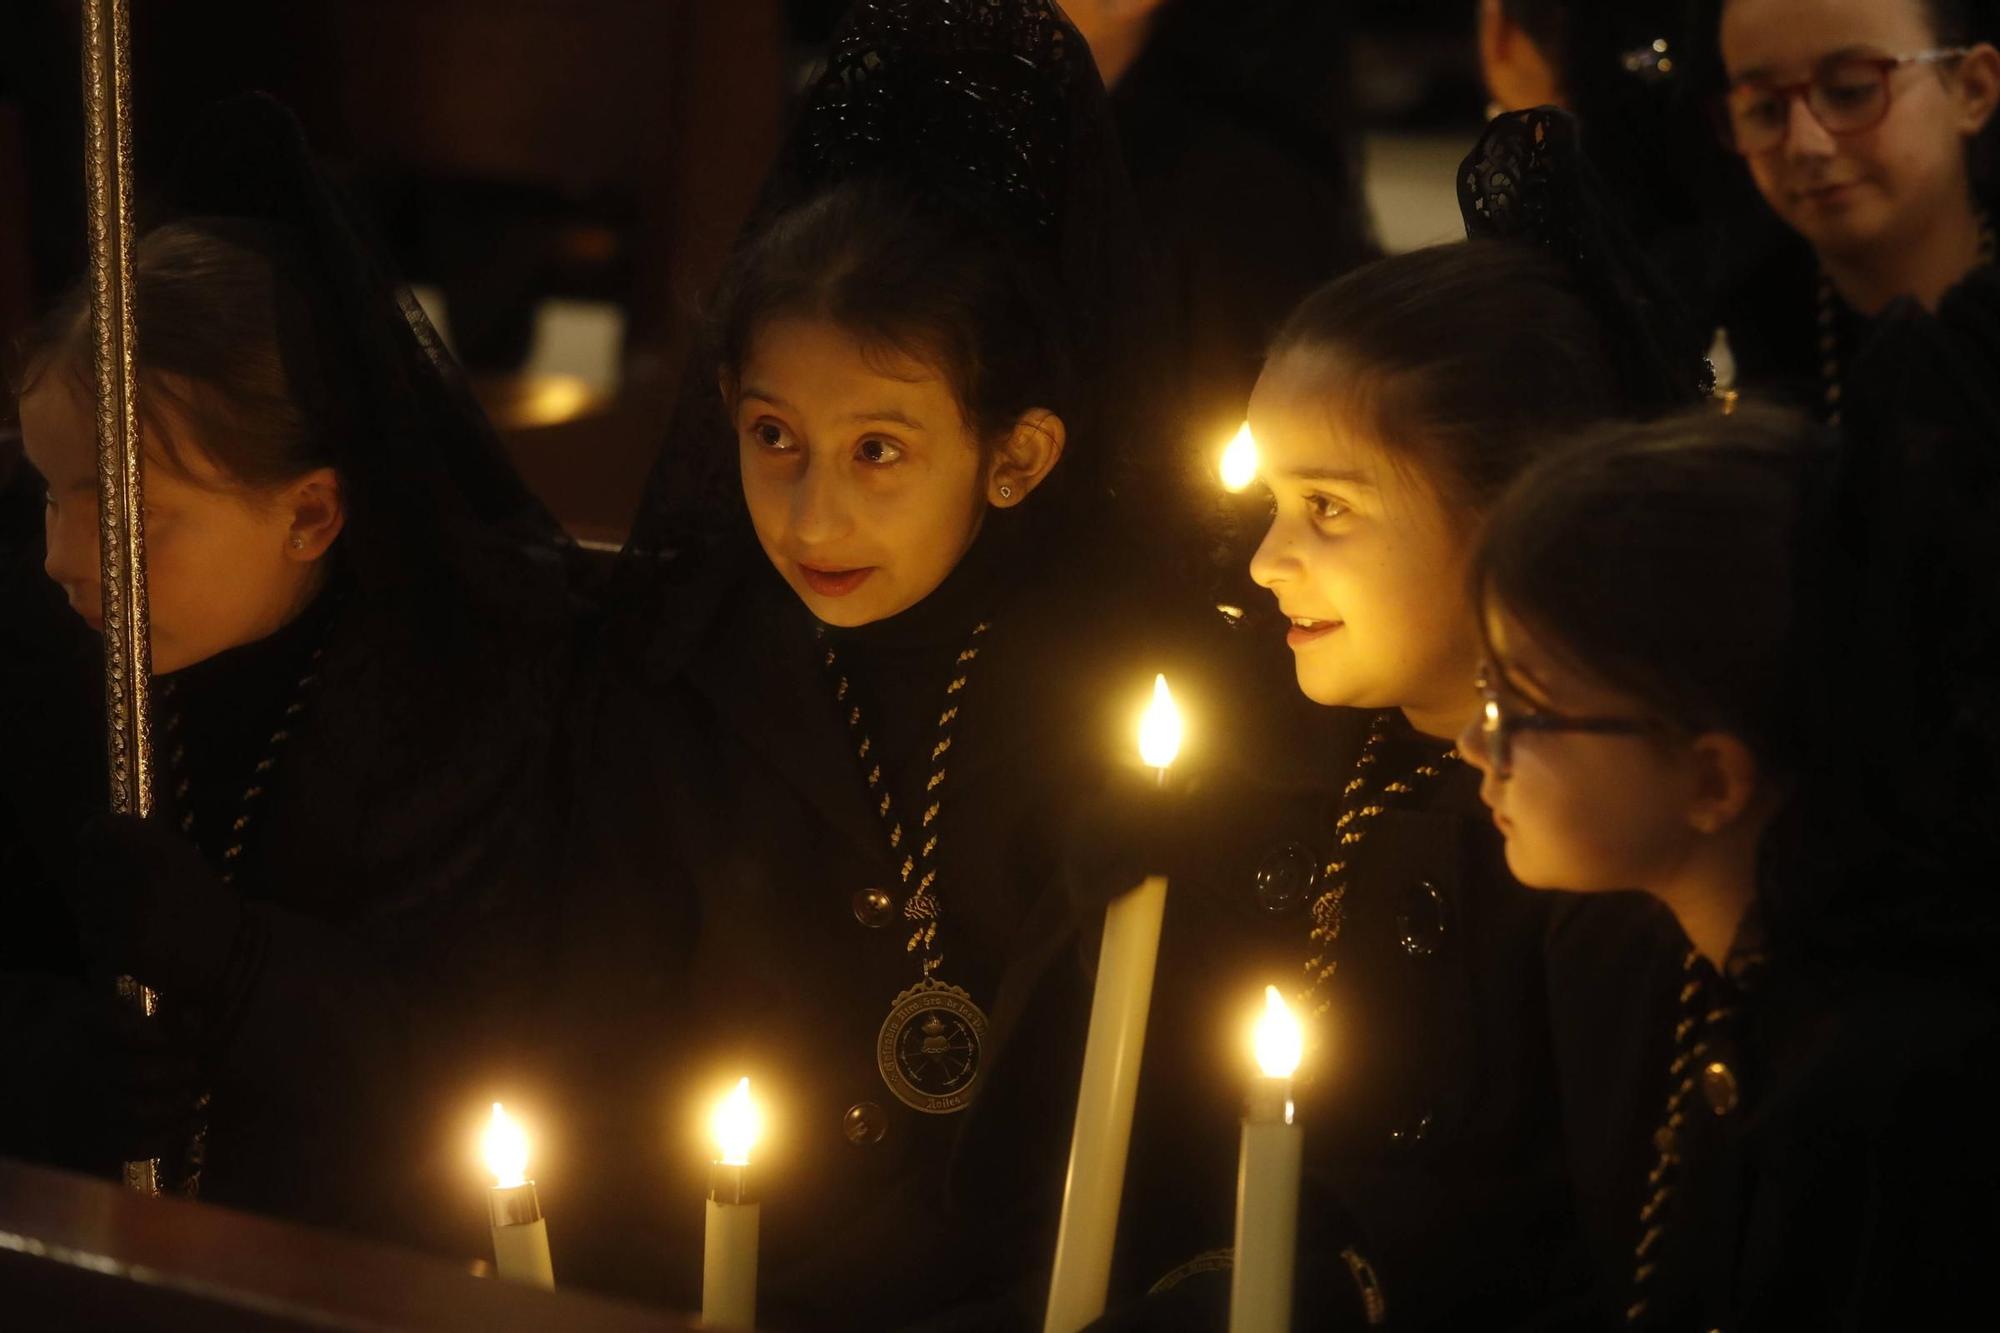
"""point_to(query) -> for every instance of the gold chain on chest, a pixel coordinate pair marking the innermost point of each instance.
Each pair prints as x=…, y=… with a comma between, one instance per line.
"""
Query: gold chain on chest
x=1706, y=1010
x=196, y=1156
x=1360, y=806
x=252, y=798
x=917, y=867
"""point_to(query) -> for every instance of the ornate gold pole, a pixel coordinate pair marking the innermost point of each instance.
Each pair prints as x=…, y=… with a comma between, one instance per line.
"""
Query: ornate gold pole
x=128, y=658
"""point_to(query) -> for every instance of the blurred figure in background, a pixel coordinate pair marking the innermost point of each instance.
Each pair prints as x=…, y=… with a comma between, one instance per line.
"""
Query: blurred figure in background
x=1624, y=71
x=1865, y=129
x=1218, y=102
x=1236, y=123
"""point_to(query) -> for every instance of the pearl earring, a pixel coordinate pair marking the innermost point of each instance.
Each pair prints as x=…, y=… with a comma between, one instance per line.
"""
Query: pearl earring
x=1006, y=492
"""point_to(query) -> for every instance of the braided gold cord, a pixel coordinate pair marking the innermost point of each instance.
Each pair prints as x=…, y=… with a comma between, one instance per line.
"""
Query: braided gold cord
x=921, y=906
x=1358, y=810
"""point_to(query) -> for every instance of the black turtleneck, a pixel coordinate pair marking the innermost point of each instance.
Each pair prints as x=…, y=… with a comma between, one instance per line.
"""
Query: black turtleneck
x=215, y=721
x=899, y=667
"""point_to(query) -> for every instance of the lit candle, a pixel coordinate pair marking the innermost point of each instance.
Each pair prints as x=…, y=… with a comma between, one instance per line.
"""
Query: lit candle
x=1267, y=1181
x=1239, y=461
x=729, y=1245
x=1111, y=1052
x=520, y=1235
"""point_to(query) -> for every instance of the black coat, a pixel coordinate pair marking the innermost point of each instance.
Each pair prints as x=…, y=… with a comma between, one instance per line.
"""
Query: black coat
x=407, y=835
x=715, y=928
x=1840, y=1175
x=381, y=871
x=1470, y=1114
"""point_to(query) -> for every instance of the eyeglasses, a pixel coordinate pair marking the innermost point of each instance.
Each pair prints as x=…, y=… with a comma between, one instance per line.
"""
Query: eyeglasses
x=1846, y=95
x=1507, y=714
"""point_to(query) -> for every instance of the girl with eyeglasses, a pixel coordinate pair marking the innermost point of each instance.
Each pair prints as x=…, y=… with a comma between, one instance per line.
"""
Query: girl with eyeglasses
x=1859, y=123
x=1682, y=693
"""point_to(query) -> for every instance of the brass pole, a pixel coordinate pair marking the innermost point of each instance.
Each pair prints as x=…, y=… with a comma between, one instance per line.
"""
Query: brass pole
x=107, y=112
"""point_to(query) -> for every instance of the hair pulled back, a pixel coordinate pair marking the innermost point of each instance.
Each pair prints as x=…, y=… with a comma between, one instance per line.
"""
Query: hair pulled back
x=914, y=276
x=214, y=377
x=1463, y=361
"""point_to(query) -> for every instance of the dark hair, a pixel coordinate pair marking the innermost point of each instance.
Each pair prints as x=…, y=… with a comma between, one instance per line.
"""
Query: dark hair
x=1465, y=360
x=915, y=276
x=1660, y=558
x=1951, y=21
x=212, y=373
x=1729, y=572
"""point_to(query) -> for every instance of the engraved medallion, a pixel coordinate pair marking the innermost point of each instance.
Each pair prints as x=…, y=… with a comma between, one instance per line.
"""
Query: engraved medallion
x=929, y=1047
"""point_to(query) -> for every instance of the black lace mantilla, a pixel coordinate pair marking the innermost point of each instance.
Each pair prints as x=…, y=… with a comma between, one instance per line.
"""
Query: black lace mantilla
x=995, y=107
x=1527, y=179
x=1520, y=181
x=965, y=96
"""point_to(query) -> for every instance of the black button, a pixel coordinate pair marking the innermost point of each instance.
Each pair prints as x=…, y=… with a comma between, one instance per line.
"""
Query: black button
x=1420, y=918
x=873, y=908
x=1286, y=878
x=864, y=1123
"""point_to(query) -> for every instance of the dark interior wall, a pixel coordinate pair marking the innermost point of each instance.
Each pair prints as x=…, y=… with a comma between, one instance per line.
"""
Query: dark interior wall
x=504, y=150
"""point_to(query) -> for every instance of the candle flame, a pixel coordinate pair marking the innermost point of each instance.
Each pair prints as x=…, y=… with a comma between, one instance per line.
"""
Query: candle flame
x=1280, y=1042
x=506, y=1150
x=1239, y=461
x=1160, y=728
x=736, y=1124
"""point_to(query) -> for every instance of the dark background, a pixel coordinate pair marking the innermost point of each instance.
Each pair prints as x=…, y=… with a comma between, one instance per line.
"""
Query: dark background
x=513, y=151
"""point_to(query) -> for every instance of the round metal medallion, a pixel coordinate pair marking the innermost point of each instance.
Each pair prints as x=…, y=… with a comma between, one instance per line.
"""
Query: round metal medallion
x=929, y=1047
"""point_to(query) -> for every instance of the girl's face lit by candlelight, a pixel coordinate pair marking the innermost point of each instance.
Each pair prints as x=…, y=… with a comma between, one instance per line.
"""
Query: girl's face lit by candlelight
x=1364, y=554
x=226, y=564
x=864, y=482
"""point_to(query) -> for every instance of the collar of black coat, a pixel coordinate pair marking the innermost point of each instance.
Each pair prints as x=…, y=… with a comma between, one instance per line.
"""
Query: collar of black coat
x=224, y=687
x=930, y=634
x=751, y=648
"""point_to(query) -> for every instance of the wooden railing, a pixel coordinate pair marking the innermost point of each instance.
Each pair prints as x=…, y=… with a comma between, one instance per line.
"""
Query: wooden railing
x=80, y=1253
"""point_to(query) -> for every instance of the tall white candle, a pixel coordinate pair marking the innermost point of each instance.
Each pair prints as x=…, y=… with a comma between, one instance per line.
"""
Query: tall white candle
x=1267, y=1181
x=520, y=1233
x=729, y=1242
x=1111, y=1053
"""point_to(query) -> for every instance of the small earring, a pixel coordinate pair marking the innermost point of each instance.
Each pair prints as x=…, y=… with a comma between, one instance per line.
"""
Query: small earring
x=1006, y=492
x=298, y=543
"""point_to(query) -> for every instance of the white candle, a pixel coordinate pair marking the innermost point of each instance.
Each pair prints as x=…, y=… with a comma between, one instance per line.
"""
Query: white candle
x=1267, y=1181
x=520, y=1233
x=729, y=1243
x=1110, y=1086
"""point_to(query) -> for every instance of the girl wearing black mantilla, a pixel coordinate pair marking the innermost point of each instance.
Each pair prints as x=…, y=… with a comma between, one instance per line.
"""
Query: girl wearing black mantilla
x=357, y=625
x=1472, y=1044
x=862, y=665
